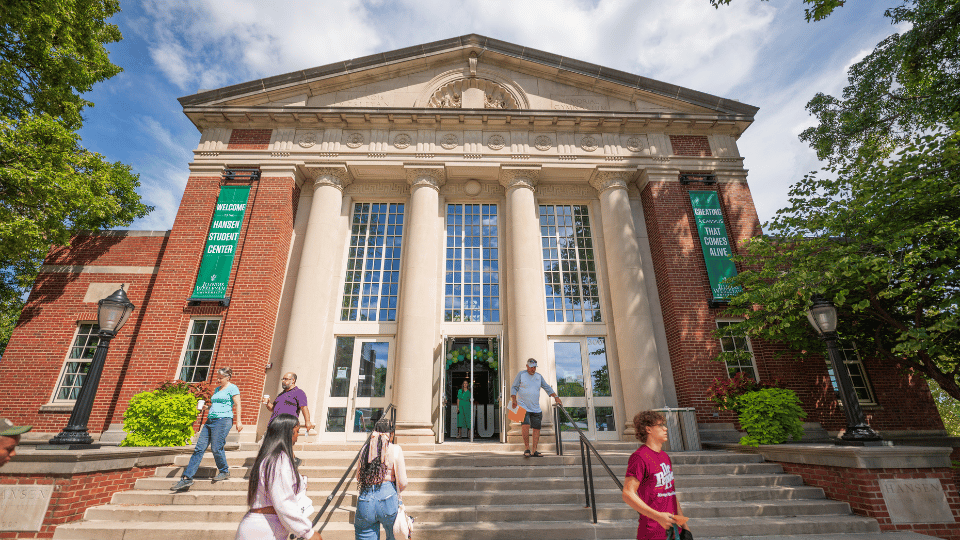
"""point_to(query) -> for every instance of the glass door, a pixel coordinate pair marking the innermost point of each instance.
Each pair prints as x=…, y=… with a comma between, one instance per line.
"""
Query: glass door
x=583, y=383
x=360, y=387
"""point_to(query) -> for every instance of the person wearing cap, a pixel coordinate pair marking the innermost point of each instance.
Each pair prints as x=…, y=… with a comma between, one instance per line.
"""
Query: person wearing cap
x=526, y=391
x=9, y=439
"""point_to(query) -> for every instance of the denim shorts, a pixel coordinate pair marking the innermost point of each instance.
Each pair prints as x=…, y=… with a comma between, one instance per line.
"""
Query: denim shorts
x=534, y=419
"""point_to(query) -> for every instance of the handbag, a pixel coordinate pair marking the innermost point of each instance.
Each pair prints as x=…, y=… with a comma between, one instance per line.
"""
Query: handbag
x=403, y=525
x=676, y=533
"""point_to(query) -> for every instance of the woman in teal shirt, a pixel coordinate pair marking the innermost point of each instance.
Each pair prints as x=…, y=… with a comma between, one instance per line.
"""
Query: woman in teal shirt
x=214, y=431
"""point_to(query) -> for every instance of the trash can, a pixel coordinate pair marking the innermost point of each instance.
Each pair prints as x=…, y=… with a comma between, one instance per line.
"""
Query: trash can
x=683, y=434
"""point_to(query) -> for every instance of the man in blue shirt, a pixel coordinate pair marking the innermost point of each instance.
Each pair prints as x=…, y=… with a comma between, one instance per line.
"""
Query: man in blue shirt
x=526, y=390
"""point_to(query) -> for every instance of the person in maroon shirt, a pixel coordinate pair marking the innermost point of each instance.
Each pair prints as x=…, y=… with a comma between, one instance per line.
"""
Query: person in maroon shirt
x=291, y=401
x=648, y=488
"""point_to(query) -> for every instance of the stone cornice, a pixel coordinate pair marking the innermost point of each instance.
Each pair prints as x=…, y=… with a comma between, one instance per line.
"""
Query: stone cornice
x=328, y=174
x=520, y=177
x=420, y=175
x=605, y=178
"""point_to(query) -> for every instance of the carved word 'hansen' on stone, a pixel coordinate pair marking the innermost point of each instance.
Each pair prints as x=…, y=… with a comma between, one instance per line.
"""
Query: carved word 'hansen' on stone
x=22, y=507
x=916, y=500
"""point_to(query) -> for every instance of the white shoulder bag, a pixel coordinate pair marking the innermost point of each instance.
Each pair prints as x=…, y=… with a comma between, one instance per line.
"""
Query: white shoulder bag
x=403, y=526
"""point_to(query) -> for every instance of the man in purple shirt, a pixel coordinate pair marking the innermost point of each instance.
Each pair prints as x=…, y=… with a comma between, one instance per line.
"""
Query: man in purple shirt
x=291, y=401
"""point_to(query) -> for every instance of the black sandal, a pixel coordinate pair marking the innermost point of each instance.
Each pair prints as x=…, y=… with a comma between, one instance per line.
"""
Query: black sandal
x=537, y=454
x=526, y=453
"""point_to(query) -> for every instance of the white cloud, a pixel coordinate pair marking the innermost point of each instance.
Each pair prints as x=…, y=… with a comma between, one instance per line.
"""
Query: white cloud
x=202, y=44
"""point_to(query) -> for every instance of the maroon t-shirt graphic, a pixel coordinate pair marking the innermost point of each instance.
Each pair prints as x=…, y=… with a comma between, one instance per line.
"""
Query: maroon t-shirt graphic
x=655, y=473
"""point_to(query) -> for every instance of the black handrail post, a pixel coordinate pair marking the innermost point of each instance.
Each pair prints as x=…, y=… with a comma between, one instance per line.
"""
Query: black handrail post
x=557, y=434
x=593, y=493
x=583, y=464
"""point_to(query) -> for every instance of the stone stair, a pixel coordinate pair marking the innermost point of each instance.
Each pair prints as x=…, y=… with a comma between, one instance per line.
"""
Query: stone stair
x=489, y=491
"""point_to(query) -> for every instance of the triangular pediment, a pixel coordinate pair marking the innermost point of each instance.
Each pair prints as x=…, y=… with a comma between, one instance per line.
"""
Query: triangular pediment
x=469, y=72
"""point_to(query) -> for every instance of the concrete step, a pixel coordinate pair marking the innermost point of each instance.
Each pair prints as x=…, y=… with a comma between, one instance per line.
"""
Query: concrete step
x=825, y=528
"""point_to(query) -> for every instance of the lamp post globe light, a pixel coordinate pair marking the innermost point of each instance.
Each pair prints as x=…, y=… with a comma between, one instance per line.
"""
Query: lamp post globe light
x=112, y=312
x=823, y=317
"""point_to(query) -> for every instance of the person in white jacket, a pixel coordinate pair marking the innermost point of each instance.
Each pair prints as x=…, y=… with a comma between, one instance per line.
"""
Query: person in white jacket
x=277, y=493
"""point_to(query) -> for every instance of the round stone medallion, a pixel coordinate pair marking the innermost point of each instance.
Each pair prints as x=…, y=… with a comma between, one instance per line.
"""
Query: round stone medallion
x=543, y=143
x=472, y=188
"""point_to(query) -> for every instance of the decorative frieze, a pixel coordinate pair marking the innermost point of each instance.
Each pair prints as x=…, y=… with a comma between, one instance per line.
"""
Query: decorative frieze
x=543, y=143
x=566, y=191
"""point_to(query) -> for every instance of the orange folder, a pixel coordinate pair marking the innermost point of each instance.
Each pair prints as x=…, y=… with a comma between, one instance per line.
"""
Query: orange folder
x=516, y=415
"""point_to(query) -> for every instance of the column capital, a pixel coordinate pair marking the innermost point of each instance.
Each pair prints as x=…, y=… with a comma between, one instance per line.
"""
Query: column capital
x=328, y=174
x=430, y=176
x=604, y=178
x=523, y=177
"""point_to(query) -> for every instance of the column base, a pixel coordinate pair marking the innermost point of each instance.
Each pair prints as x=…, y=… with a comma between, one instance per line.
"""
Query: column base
x=415, y=433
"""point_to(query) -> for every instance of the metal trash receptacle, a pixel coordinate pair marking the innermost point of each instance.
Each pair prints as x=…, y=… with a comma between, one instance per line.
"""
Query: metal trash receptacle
x=683, y=433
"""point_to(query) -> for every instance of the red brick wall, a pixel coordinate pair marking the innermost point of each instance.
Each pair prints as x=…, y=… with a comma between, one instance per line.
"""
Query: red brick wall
x=147, y=350
x=905, y=402
x=74, y=494
x=684, y=286
x=861, y=489
x=249, y=139
x=254, y=289
x=43, y=335
x=691, y=145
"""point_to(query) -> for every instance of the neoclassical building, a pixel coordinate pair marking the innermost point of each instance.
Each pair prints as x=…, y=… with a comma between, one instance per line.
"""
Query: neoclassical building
x=391, y=226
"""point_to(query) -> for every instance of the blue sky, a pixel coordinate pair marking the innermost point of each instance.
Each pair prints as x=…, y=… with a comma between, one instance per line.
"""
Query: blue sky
x=761, y=53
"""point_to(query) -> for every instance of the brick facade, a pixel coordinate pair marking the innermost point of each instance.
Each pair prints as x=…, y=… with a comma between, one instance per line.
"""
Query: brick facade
x=684, y=291
x=148, y=348
x=690, y=145
x=249, y=139
x=861, y=489
x=73, y=494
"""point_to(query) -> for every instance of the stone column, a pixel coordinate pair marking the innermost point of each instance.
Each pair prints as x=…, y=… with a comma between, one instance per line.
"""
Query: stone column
x=417, y=337
x=316, y=287
x=526, y=311
x=632, y=320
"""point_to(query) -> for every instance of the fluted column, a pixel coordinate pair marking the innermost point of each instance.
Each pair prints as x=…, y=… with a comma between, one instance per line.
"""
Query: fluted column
x=632, y=321
x=526, y=310
x=316, y=289
x=417, y=321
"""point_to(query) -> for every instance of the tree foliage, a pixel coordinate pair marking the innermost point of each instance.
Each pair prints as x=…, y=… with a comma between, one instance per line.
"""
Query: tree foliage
x=51, y=52
x=819, y=10
x=876, y=231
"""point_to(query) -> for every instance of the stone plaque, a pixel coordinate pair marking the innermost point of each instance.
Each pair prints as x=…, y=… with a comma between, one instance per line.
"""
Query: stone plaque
x=916, y=500
x=22, y=506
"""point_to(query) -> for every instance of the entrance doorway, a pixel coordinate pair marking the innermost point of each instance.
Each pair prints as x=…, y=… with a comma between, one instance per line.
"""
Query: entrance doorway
x=474, y=415
x=583, y=383
x=359, y=388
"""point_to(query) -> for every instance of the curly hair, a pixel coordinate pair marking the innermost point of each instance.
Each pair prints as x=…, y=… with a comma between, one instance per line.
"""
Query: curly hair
x=645, y=419
x=371, y=473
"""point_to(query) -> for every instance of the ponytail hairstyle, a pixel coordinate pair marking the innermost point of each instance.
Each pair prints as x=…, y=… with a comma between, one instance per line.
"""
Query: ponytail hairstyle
x=370, y=472
x=278, y=440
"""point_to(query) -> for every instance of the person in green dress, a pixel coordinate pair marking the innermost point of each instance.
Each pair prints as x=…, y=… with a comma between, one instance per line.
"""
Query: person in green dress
x=463, y=408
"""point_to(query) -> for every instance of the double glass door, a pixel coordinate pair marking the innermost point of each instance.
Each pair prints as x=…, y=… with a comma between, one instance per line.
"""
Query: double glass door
x=583, y=384
x=360, y=387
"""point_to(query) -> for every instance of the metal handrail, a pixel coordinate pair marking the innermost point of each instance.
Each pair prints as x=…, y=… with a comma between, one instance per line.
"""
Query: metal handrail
x=585, y=461
x=392, y=411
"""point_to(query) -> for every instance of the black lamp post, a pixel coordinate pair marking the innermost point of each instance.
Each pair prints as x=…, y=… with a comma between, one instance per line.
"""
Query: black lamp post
x=823, y=317
x=112, y=312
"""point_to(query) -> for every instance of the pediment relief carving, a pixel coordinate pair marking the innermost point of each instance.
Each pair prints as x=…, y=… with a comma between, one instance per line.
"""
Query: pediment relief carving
x=474, y=87
x=451, y=95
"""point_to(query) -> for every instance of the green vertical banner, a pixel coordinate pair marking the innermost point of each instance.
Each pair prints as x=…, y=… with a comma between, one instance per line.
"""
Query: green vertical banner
x=715, y=244
x=221, y=243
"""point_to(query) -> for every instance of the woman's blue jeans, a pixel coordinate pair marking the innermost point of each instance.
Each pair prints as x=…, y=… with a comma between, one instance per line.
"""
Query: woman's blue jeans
x=377, y=504
x=212, y=433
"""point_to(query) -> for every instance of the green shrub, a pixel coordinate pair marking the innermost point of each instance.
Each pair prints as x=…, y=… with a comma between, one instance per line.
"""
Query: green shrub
x=162, y=417
x=770, y=416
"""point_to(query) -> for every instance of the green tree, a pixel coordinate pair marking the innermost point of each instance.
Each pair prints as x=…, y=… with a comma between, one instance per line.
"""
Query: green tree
x=51, y=52
x=876, y=230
